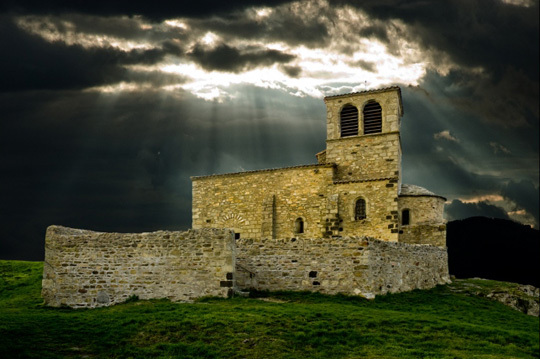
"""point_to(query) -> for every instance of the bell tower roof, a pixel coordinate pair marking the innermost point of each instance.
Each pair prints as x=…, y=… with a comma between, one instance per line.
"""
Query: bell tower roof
x=368, y=92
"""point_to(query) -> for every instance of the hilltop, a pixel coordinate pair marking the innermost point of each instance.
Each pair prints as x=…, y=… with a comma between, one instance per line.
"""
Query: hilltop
x=445, y=322
x=493, y=248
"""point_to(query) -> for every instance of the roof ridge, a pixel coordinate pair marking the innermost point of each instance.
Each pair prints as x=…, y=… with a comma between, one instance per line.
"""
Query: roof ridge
x=366, y=91
x=264, y=170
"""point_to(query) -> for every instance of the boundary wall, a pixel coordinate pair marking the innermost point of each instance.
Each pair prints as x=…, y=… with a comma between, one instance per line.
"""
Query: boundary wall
x=349, y=265
x=86, y=269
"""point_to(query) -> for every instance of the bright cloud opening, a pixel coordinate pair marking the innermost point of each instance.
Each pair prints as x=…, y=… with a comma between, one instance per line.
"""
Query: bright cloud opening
x=340, y=64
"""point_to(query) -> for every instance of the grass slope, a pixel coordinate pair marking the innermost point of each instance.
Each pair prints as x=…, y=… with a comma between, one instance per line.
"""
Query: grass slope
x=438, y=323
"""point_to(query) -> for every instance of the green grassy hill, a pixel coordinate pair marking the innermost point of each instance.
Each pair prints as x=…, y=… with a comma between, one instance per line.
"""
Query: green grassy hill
x=439, y=323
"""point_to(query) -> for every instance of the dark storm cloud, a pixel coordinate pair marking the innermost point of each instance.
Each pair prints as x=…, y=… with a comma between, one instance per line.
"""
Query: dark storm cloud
x=366, y=65
x=155, y=78
x=34, y=63
x=292, y=71
x=511, y=100
x=150, y=10
x=292, y=26
x=377, y=31
x=118, y=28
x=423, y=154
x=79, y=159
x=227, y=58
x=109, y=162
x=467, y=166
x=525, y=195
x=122, y=162
x=459, y=210
x=472, y=32
x=501, y=39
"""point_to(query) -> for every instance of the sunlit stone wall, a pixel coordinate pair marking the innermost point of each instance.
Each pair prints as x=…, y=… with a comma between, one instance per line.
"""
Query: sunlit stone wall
x=433, y=234
x=423, y=209
x=350, y=265
x=427, y=225
x=86, y=269
x=266, y=204
x=365, y=156
x=92, y=269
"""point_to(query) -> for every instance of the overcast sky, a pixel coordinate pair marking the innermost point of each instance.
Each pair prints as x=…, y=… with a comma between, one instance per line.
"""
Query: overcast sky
x=107, y=108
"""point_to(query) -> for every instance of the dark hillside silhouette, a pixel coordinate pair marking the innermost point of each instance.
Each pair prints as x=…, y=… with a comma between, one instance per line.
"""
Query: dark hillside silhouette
x=494, y=248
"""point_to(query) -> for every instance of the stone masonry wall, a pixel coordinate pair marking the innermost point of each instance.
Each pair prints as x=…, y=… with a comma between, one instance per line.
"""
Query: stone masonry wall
x=423, y=209
x=434, y=235
x=399, y=267
x=350, y=265
x=264, y=204
x=92, y=269
x=369, y=156
x=269, y=203
x=365, y=157
x=381, y=209
x=427, y=225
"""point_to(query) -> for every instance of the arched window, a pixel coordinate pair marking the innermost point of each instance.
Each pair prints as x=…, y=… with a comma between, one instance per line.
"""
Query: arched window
x=372, y=118
x=299, y=225
x=360, y=209
x=349, y=121
x=405, y=217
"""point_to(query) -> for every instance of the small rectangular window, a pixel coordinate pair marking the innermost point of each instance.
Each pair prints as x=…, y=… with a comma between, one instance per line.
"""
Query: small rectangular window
x=405, y=217
x=299, y=225
x=360, y=209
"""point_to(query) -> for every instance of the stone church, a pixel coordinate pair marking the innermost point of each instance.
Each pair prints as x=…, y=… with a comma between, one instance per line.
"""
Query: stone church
x=344, y=225
x=355, y=189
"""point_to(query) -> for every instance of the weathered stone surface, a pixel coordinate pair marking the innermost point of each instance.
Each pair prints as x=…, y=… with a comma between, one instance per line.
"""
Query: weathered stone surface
x=526, y=302
x=434, y=234
x=269, y=202
x=351, y=265
x=426, y=223
x=524, y=298
x=92, y=269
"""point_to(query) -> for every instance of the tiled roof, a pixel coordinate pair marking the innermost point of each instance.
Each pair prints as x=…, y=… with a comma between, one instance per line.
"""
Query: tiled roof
x=413, y=190
x=366, y=91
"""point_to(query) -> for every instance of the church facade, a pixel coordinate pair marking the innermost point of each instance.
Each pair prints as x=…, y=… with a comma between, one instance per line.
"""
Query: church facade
x=355, y=189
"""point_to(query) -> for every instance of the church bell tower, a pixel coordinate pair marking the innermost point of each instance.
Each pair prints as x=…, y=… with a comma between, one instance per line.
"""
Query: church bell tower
x=363, y=137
